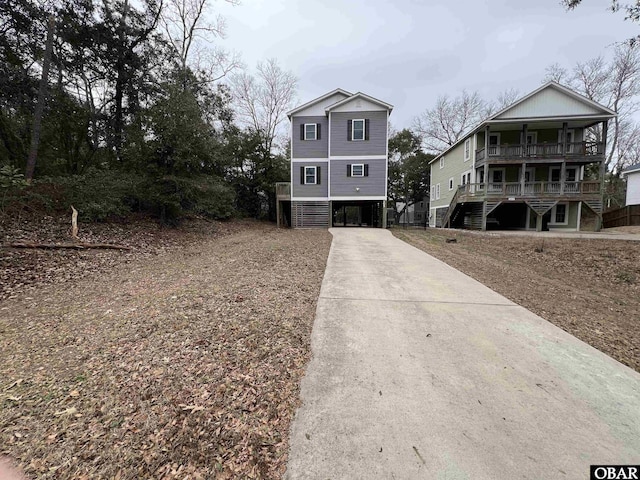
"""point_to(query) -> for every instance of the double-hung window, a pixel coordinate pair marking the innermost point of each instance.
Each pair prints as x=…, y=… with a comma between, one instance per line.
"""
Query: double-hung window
x=310, y=175
x=310, y=131
x=357, y=132
x=357, y=170
x=467, y=149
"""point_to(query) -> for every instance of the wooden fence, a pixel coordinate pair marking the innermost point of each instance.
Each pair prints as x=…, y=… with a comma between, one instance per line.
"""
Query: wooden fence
x=622, y=217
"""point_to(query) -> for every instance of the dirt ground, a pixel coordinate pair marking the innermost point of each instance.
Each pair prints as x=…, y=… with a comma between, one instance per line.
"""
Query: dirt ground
x=178, y=359
x=590, y=288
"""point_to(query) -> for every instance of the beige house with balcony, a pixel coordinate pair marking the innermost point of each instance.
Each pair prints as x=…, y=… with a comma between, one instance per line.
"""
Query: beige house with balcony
x=536, y=165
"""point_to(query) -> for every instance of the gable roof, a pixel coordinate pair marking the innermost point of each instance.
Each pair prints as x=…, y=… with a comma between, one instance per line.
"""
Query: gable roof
x=318, y=100
x=360, y=95
x=631, y=169
x=528, y=108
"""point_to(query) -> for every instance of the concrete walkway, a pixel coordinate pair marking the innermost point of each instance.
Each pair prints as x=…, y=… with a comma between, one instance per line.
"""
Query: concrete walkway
x=418, y=371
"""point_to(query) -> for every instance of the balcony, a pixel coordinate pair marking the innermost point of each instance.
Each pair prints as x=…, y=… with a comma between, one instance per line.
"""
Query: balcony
x=543, y=152
x=283, y=191
x=529, y=190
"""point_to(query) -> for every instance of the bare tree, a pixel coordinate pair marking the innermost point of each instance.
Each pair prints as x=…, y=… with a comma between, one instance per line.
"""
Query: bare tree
x=191, y=35
x=443, y=125
x=261, y=101
x=615, y=84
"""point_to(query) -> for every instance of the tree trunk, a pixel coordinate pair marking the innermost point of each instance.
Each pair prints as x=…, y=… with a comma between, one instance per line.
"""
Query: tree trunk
x=42, y=93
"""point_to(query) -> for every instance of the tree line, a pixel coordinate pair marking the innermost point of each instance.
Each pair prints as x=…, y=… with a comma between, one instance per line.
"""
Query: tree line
x=120, y=106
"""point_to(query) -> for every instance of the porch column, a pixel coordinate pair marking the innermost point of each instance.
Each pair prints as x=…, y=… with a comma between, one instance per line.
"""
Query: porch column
x=384, y=213
x=277, y=212
x=538, y=222
x=484, y=215
x=563, y=175
x=525, y=129
x=565, y=126
x=522, y=177
x=486, y=165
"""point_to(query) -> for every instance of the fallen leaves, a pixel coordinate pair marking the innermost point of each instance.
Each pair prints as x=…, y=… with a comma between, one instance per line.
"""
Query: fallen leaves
x=150, y=367
x=585, y=287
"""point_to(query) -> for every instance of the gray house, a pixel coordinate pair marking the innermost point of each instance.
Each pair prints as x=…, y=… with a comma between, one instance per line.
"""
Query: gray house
x=338, y=162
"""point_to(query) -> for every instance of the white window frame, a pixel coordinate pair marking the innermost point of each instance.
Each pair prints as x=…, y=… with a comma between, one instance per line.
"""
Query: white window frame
x=572, y=132
x=437, y=191
x=451, y=183
x=315, y=175
x=353, y=130
x=357, y=165
x=467, y=150
x=441, y=162
x=432, y=192
x=315, y=131
x=554, y=212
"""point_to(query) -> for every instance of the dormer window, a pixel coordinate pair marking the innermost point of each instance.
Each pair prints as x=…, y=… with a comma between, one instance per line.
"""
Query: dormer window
x=358, y=130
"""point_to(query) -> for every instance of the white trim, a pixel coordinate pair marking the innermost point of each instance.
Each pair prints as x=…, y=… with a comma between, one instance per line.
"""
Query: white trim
x=291, y=161
x=329, y=155
x=310, y=199
x=317, y=100
x=463, y=175
x=301, y=160
x=358, y=157
x=451, y=183
x=388, y=106
x=570, y=131
x=386, y=163
x=338, y=199
x=566, y=214
x=315, y=131
x=315, y=175
x=353, y=130
x=357, y=165
x=441, y=163
x=467, y=145
x=437, y=191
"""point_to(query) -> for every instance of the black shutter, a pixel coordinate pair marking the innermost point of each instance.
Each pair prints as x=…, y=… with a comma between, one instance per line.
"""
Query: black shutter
x=349, y=168
x=301, y=175
x=366, y=169
x=318, y=131
x=349, y=127
x=366, y=129
x=318, y=175
x=302, y=132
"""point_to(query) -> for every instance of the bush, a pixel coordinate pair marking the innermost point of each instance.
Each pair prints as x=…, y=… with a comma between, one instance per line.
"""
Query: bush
x=101, y=195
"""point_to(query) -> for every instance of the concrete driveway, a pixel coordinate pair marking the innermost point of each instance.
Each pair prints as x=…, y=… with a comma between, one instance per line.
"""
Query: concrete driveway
x=418, y=371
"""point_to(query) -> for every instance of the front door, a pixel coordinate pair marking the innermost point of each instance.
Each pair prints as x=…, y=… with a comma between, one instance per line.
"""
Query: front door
x=529, y=179
x=497, y=178
x=494, y=144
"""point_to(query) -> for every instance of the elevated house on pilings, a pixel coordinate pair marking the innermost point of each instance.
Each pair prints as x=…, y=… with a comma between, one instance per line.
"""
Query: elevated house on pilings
x=539, y=164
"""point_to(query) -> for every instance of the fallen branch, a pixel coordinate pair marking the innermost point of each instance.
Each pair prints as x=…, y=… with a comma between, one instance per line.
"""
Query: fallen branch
x=74, y=246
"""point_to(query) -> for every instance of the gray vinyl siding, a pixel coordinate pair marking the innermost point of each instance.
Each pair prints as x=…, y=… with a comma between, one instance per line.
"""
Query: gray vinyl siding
x=310, y=190
x=310, y=148
x=377, y=143
x=372, y=185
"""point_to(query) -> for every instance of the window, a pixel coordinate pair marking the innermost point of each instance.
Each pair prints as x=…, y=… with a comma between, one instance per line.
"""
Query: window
x=438, y=191
x=432, y=192
x=467, y=149
x=358, y=170
x=451, y=183
x=310, y=131
x=441, y=162
x=310, y=175
x=465, y=178
x=559, y=215
x=357, y=130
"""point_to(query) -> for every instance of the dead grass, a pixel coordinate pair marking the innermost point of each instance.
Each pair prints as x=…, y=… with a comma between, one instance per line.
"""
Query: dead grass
x=181, y=364
x=590, y=288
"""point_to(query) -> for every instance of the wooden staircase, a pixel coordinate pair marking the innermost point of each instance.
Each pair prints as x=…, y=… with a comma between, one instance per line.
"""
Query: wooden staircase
x=446, y=220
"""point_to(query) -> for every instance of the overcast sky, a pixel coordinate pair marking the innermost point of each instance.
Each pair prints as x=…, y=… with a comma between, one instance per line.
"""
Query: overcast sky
x=408, y=52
